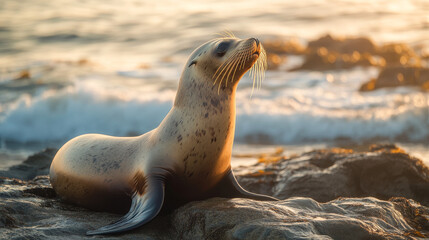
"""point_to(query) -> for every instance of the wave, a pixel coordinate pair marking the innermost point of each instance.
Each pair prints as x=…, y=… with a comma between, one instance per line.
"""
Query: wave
x=282, y=115
x=58, y=115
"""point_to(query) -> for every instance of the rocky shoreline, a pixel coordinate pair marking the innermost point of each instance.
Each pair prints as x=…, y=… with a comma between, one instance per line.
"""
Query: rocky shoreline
x=381, y=193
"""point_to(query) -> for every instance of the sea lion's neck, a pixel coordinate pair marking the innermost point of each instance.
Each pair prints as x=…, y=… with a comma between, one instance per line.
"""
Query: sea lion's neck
x=201, y=124
x=193, y=92
x=206, y=105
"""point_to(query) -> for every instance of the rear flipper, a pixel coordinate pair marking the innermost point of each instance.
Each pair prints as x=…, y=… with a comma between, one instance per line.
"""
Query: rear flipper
x=144, y=207
x=229, y=187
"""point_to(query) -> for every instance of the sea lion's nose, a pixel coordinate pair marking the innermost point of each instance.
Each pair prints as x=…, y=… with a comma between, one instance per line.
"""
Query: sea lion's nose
x=256, y=40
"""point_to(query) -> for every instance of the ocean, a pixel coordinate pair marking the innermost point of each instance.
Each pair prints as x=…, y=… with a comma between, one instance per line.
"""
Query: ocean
x=73, y=67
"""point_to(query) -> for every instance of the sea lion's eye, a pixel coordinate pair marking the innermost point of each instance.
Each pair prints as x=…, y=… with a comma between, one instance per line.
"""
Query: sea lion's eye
x=222, y=48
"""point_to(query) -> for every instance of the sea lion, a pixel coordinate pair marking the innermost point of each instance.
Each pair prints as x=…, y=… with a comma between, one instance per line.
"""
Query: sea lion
x=187, y=157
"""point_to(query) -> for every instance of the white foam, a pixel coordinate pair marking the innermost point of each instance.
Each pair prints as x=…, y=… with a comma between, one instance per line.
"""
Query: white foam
x=58, y=115
x=290, y=108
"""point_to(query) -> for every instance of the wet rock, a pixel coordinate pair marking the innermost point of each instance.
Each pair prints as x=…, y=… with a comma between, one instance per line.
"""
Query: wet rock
x=399, y=76
x=37, y=164
x=398, y=54
x=26, y=212
x=278, y=49
x=322, y=59
x=332, y=53
x=385, y=171
x=298, y=218
x=30, y=209
x=25, y=74
x=32, y=216
x=329, y=53
x=274, y=61
x=343, y=45
x=284, y=46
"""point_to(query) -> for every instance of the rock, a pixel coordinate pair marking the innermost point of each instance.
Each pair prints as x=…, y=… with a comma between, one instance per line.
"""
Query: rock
x=24, y=74
x=299, y=218
x=29, y=215
x=399, y=76
x=398, y=54
x=322, y=59
x=31, y=209
x=385, y=171
x=343, y=45
x=328, y=53
x=274, y=61
x=283, y=46
x=37, y=164
x=331, y=53
x=277, y=49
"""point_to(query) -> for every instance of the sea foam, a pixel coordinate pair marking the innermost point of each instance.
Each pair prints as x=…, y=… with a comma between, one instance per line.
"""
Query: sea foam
x=290, y=108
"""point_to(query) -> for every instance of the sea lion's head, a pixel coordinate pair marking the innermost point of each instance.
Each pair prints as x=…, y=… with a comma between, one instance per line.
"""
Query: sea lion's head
x=223, y=61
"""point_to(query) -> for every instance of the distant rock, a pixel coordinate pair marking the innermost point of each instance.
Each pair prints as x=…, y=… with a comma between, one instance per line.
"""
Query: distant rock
x=322, y=59
x=399, y=76
x=284, y=46
x=277, y=49
x=316, y=185
x=333, y=53
x=274, y=60
x=398, y=54
x=343, y=45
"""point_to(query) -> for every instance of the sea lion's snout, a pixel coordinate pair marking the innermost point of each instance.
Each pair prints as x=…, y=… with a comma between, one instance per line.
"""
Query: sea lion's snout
x=256, y=41
x=256, y=45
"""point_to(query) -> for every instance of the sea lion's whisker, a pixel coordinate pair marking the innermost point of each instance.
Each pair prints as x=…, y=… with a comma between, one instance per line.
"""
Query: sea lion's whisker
x=223, y=66
x=221, y=69
x=230, y=67
x=240, y=59
x=226, y=34
x=230, y=34
x=223, y=72
x=233, y=67
x=258, y=74
x=244, y=59
x=257, y=71
x=228, y=71
x=233, y=70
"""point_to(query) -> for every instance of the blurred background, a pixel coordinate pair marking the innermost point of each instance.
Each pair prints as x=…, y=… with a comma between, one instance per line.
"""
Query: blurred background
x=341, y=73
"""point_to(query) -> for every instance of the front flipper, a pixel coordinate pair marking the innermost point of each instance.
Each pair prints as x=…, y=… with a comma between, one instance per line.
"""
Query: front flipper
x=144, y=207
x=229, y=187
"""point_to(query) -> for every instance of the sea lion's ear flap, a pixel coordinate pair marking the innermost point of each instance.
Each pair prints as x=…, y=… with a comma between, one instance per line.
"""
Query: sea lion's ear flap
x=144, y=207
x=193, y=62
